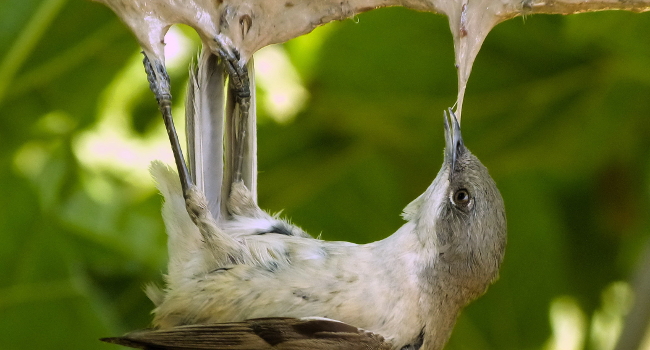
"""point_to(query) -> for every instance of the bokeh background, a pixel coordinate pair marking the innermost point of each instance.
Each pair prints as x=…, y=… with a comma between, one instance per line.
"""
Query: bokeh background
x=350, y=131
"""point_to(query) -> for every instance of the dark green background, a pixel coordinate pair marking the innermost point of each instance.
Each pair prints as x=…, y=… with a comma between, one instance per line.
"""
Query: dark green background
x=557, y=108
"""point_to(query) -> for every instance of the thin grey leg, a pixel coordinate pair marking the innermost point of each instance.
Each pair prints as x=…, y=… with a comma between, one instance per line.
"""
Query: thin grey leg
x=160, y=85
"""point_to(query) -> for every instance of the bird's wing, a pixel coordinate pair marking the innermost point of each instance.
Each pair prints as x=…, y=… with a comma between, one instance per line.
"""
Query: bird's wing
x=265, y=333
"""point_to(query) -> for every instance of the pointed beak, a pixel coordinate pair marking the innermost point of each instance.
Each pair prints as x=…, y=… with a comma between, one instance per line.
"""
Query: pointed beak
x=454, y=146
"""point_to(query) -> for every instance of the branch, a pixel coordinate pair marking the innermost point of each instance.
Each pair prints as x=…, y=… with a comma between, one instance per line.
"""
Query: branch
x=244, y=26
x=568, y=7
x=250, y=25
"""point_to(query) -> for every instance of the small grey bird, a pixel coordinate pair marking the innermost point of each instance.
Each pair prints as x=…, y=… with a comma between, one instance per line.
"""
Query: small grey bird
x=229, y=261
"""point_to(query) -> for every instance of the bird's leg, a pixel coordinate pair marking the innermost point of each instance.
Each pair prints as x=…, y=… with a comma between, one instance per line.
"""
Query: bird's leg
x=240, y=136
x=160, y=85
x=240, y=174
x=240, y=88
x=220, y=247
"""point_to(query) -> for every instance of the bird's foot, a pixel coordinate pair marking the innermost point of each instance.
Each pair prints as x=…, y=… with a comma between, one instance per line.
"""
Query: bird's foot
x=239, y=79
x=241, y=202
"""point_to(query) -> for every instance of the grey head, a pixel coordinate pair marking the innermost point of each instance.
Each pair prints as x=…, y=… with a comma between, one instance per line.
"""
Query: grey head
x=465, y=214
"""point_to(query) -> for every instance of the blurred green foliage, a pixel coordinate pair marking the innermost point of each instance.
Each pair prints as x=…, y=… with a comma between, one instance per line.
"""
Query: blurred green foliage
x=557, y=108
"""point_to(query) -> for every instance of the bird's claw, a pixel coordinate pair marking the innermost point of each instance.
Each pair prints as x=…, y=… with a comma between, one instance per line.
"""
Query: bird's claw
x=238, y=73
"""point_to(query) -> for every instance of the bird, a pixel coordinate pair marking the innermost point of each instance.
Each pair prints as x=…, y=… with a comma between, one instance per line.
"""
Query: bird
x=231, y=263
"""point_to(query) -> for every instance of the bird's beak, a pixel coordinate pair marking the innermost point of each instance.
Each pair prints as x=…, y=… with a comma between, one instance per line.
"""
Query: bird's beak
x=454, y=146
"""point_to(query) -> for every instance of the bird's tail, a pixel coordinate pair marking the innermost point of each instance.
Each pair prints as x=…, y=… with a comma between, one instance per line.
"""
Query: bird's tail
x=221, y=132
x=204, y=128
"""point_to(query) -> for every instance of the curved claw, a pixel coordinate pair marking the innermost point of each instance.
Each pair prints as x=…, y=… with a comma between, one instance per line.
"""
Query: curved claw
x=239, y=79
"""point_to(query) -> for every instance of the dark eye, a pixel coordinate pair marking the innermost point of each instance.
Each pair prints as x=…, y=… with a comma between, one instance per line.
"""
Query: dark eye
x=461, y=197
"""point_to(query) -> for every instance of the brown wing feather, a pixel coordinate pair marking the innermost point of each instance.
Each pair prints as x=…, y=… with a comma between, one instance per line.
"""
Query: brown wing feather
x=257, y=334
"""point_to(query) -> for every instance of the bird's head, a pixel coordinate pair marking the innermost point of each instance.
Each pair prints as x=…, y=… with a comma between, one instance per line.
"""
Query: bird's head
x=461, y=217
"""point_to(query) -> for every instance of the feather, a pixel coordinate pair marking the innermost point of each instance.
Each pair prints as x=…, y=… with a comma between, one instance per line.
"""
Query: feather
x=212, y=105
x=204, y=117
x=265, y=333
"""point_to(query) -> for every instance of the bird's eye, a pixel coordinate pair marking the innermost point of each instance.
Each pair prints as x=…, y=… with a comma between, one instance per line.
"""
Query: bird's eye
x=461, y=198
